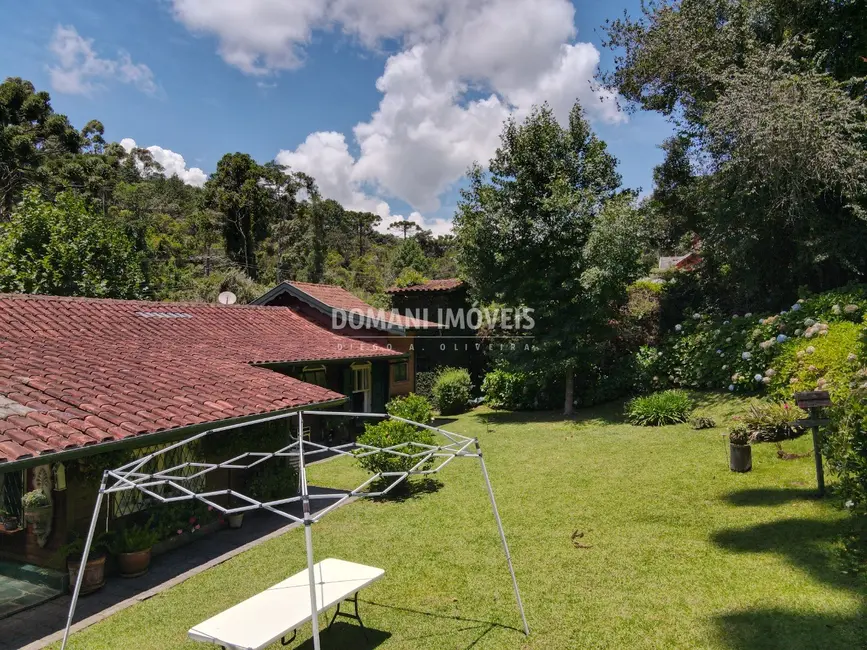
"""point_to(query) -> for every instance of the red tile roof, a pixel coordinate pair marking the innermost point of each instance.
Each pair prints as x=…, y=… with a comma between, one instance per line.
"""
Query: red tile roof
x=77, y=371
x=339, y=298
x=430, y=285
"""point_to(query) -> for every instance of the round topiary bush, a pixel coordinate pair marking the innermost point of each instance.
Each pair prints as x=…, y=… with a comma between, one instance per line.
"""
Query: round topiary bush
x=657, y=409
x=388, y=433
x=451, y=391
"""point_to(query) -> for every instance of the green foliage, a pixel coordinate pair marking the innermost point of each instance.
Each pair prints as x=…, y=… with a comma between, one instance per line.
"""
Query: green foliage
x=409, y=277
x=63, y=248
x=739, y=435
x=846, y=449
x=702, y=422
x=658, y=409
x=769, y=421
x=424, y=383
x=506, y=390
x=409, y=255
x=828, y=362
x=749, y=353
x=35, y=499
x=767, y=167
x=411, y=407
x=389, y=433
x=74, y=548
x=135, y=538
x=544, y=228
x=451, y=391
x=271, y=481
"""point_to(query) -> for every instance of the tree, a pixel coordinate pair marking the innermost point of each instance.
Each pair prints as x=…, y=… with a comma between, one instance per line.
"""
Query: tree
x=404, y=226
x=409, y=255
x=769, y=166
x=531, y=233
x=239, y=190
x=63, y=248
x=30, y=131
x=364, y=223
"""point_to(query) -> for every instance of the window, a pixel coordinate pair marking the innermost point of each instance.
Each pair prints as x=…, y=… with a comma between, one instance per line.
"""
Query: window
x=11, y=491
x=313, y=375
x=361, y=387
x=128, y=502
x=401, y=369
x=360, y=377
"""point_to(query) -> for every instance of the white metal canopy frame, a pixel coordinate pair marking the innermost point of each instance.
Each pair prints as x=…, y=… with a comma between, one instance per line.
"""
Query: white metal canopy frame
x=430, y=459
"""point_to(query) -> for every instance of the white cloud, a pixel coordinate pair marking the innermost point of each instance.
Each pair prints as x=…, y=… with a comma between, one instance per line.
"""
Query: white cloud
x=80, y=70
x=464, y=66
x=173, y=163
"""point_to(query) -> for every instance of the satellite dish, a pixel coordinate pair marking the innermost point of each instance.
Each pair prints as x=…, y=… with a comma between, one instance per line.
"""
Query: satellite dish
x=227, y=298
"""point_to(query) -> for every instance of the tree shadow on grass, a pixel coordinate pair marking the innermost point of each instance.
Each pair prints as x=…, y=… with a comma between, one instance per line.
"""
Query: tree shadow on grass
x=770, y=496
x=347, y=635
x=602, y=414
x=408, y=489
x=483, y=627
x=804, y=544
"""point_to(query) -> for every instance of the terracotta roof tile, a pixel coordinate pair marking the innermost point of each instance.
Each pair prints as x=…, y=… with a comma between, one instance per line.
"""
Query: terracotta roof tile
x=339, y=298
x=100, y=370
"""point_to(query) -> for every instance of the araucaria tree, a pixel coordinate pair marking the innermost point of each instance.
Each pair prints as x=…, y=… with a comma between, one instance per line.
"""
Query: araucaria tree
x=546, y=228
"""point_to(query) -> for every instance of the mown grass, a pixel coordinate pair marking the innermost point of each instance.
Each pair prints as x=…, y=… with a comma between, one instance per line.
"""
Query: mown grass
x=682, y=552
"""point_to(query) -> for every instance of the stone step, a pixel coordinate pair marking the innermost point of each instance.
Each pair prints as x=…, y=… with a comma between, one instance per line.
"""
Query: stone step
x=37, y=575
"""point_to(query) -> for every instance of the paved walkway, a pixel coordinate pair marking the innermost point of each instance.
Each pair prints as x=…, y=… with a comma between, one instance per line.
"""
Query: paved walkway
x=42, y=625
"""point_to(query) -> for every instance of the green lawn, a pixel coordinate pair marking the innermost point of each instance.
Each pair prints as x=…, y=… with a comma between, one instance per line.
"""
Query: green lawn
x=684, y=553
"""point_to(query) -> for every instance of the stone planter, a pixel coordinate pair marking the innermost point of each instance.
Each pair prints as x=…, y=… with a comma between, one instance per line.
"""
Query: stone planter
x=94, y=574
x=740, y=458
x=40, y=522
x=135, y=564
x=235, y=521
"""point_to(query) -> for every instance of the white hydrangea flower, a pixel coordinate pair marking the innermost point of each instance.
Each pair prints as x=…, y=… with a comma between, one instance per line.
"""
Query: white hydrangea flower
x=758, y=377
x=746, y=355
x=852, y=357
x=678, y=327
x=836, y=310
x=810, y=350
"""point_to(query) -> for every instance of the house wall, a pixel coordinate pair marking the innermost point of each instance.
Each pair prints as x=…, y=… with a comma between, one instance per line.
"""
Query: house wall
x=73, y=507
x=454, y=347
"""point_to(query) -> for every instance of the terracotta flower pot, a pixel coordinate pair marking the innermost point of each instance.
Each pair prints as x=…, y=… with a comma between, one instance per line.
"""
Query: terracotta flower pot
x=740, y=458
x=94, y=574
x=134, y=564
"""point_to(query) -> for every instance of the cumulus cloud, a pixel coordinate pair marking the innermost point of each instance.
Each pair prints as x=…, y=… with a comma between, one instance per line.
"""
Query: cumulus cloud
x=173, y=164
x=463, y=67
x=79, y=70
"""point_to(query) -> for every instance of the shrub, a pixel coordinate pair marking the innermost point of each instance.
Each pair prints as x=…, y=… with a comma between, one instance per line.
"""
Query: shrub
x=451, y=391
x=135, y=538
x=739, y=435
x=412, y=407
x=505, y=390
x=846, y=449
x=424, y=383
x=702, y=422
x=657, y=409
x=35, y=499
x=769, y=421
x=826, y=362
x=386, y=434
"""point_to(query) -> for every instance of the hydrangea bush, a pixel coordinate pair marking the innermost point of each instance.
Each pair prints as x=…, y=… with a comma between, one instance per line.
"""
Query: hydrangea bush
x=751, y=353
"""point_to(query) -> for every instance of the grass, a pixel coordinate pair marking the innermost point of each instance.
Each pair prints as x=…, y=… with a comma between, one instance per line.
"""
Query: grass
x=682, y=552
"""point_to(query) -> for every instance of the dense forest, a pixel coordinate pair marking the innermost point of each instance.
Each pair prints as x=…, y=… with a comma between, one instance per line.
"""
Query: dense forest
x=82, y=216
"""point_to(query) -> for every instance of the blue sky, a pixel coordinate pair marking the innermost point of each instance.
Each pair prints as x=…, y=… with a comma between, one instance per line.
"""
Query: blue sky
x=384, y=104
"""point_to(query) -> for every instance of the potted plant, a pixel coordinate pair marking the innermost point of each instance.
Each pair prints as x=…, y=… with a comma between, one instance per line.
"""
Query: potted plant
x=94, y=566
x=10, y=522
x=132, y=546
x=740, y=451
x=236, y=520
x=38, y=511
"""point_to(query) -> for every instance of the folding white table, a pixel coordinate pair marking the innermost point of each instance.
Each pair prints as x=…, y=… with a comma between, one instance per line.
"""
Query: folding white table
x=270, y=615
